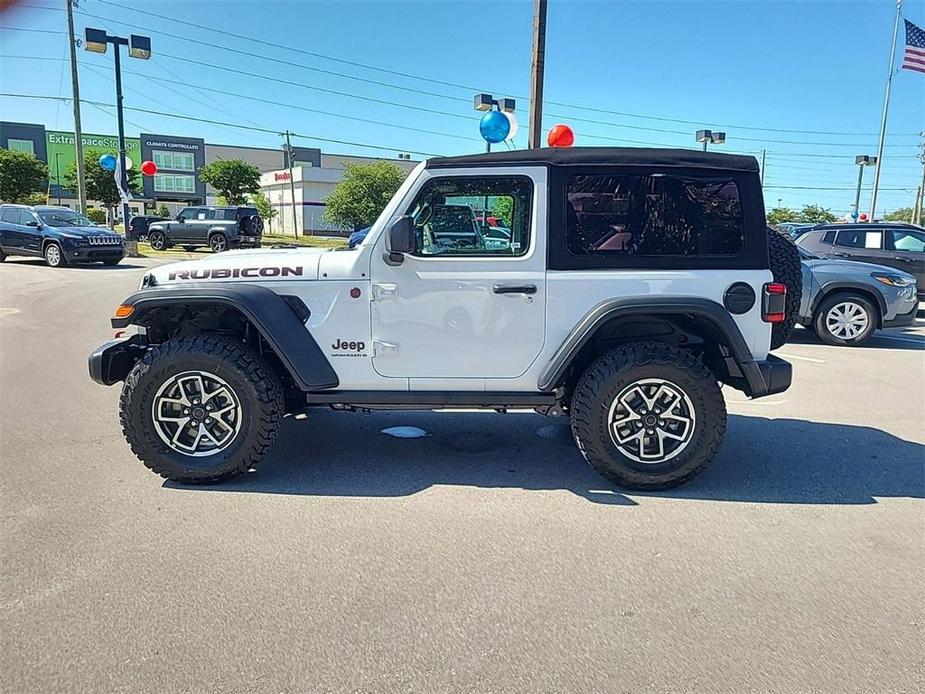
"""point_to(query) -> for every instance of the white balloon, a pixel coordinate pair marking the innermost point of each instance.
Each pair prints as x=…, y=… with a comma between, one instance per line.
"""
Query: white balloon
x=512, y=119
x=128, y=164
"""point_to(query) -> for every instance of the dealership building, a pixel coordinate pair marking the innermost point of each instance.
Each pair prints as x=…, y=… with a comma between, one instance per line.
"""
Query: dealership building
x=177, y=184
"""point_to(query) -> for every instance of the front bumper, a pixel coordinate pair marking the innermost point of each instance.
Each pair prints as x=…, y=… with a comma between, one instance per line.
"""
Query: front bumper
x=902, y=319
x=111, y=361
x=773, y=375
x=93, y=254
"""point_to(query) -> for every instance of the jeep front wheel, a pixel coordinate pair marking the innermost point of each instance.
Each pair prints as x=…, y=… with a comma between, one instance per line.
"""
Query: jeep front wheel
x=648, y=416
x=201, y=409
x=53, y=255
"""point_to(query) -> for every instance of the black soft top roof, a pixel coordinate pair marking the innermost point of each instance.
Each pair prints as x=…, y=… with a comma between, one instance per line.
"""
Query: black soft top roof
x=592, y=156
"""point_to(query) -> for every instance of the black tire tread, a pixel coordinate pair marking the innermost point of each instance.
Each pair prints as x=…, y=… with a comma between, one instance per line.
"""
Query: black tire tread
x=265, y=382
x=787, y=269
x=584, y=428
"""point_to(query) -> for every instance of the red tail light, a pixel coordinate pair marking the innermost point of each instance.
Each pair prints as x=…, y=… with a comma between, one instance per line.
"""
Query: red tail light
x=774, y=302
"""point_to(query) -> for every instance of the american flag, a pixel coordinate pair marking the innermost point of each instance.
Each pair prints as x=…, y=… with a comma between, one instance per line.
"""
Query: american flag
x=914, y=58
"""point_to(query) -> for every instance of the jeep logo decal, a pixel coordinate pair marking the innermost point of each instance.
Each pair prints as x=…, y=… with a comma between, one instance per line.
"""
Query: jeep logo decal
x=224, y=273
x=348, y=348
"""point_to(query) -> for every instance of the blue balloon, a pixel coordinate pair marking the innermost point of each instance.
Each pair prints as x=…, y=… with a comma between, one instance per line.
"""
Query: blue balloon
x=108, y=162
x=494, y=126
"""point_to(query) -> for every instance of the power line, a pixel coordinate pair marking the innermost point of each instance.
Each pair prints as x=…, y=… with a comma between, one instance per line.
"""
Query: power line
x=221, y=123
x=441, y=82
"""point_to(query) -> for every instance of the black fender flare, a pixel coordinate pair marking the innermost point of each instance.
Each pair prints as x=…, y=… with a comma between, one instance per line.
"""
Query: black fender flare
x=653, y=306
x=838, y=286
x=274, y=318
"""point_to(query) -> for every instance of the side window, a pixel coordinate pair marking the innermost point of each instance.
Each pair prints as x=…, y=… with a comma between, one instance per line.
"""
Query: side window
x=907, y=240
x=653, y=215
x=454, y=215
x=860, y=238
x=25, y=216
x=829, y=237
x=10, y=215
x=188, y=214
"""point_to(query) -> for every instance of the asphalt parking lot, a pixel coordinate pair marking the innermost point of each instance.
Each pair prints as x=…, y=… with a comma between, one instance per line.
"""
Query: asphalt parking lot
x=484, y=557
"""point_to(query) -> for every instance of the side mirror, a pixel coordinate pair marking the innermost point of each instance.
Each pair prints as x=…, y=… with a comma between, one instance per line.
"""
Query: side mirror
x=400, y=238
x=32, y=223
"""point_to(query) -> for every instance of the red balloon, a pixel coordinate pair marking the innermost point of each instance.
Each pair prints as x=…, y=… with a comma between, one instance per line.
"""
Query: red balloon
x=560, y=135
x=148, y=168
x=862, y=217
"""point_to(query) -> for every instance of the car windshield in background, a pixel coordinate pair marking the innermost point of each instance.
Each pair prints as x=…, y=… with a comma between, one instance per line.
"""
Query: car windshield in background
x=64, y=218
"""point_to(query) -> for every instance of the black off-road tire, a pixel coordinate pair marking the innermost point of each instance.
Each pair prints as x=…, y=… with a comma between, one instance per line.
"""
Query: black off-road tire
x=786, y=269
x=157, y=240
x=252, y=225
x=822, y=329
x=218, y=243
x=604, y=381
x=254, y=383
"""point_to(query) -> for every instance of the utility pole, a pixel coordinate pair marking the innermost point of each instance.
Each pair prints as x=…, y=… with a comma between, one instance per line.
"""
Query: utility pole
x=537, y=71
x=886, y=108
x=763, y=156
x=295, y=225
x=78, y=133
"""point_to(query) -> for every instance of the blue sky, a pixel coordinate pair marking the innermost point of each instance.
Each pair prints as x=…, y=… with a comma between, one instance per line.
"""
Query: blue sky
x=653, y=71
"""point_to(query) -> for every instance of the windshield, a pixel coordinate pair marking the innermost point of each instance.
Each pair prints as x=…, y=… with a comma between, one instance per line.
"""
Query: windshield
x=64, y=218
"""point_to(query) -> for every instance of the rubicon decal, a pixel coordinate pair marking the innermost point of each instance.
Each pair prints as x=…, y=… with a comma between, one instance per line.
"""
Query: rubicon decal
x=224, y=273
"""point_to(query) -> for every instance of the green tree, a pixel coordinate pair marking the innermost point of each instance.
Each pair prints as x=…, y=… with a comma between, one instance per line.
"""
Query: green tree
x=232, y=179
x=815, y=214
x=779, y=215
x=100, y=183
x=163, y=211
x=363, y=193
x=35, y=199
x=903, y=214
x=96, y=215
x=20, y=174
x=503, y=208
x=266, y=210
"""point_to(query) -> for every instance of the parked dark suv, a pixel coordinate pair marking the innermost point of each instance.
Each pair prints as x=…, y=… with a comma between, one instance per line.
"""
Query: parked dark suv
x=58, y=234
x=901, y=246
x=219, y=228
x=139, y=225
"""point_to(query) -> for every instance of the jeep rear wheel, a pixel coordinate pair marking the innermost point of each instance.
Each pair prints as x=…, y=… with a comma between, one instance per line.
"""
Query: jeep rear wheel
x=201, y=409
x=648, y=416
x=157, y=241
x=218, y=243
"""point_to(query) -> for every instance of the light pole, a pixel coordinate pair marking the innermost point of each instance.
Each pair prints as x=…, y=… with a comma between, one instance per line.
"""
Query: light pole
x=861, y=160
x=97, y=41
x=58, y=175
x=707, y=136
x=486, y=102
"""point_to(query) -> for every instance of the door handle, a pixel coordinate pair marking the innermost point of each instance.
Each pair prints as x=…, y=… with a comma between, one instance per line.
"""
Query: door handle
x=841, y=255
x=514, y=289
x=906, y=260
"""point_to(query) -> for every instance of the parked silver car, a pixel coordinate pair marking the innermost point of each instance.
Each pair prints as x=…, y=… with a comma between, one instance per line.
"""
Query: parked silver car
x=845, y=301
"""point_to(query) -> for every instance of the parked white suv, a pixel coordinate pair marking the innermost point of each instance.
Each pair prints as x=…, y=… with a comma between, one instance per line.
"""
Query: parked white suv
x=634, y=282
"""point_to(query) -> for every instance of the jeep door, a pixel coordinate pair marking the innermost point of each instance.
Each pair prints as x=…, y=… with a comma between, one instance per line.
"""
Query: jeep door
x=457, y=308
x=18, y=236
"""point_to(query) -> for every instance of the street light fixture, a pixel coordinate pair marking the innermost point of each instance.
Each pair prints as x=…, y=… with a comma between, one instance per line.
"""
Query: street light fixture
x=708, y=136
x=861, y=161
x=97, y=41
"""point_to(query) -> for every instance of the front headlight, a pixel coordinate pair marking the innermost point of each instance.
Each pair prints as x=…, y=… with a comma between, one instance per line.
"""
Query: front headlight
x=893, y=280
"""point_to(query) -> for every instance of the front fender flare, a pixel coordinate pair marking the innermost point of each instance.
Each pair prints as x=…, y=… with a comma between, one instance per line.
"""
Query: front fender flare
x=274, y=318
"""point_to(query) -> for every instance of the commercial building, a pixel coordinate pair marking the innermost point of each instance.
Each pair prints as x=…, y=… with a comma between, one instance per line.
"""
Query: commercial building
x=177, y=183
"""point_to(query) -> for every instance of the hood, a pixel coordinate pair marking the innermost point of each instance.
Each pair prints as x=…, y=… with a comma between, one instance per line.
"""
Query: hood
x=262, y=265
x=83, y=232
x=852, y=267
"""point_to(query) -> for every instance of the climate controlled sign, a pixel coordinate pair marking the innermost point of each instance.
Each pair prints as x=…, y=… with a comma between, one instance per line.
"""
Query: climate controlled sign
x=61, y=152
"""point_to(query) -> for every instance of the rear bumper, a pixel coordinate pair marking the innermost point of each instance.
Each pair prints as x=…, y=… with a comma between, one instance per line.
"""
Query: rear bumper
x=111, y=361
x=773, y=375
x=902, y=319
x=248, y=242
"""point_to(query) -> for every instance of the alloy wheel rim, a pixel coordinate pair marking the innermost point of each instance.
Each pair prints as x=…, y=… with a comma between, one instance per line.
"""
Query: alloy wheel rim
x=218, y=244
x=52, y=255
x=847, y=320
x=651, y=421
x=156, y=242
x=196, y=413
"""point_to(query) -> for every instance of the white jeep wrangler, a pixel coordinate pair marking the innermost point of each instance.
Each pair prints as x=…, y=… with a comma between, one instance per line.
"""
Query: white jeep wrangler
x=618, y=287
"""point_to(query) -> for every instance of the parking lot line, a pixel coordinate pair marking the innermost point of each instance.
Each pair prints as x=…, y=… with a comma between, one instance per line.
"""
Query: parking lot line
x=799, y=358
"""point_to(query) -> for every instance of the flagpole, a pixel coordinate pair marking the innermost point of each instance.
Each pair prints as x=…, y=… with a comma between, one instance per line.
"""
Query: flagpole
x=886, y=108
